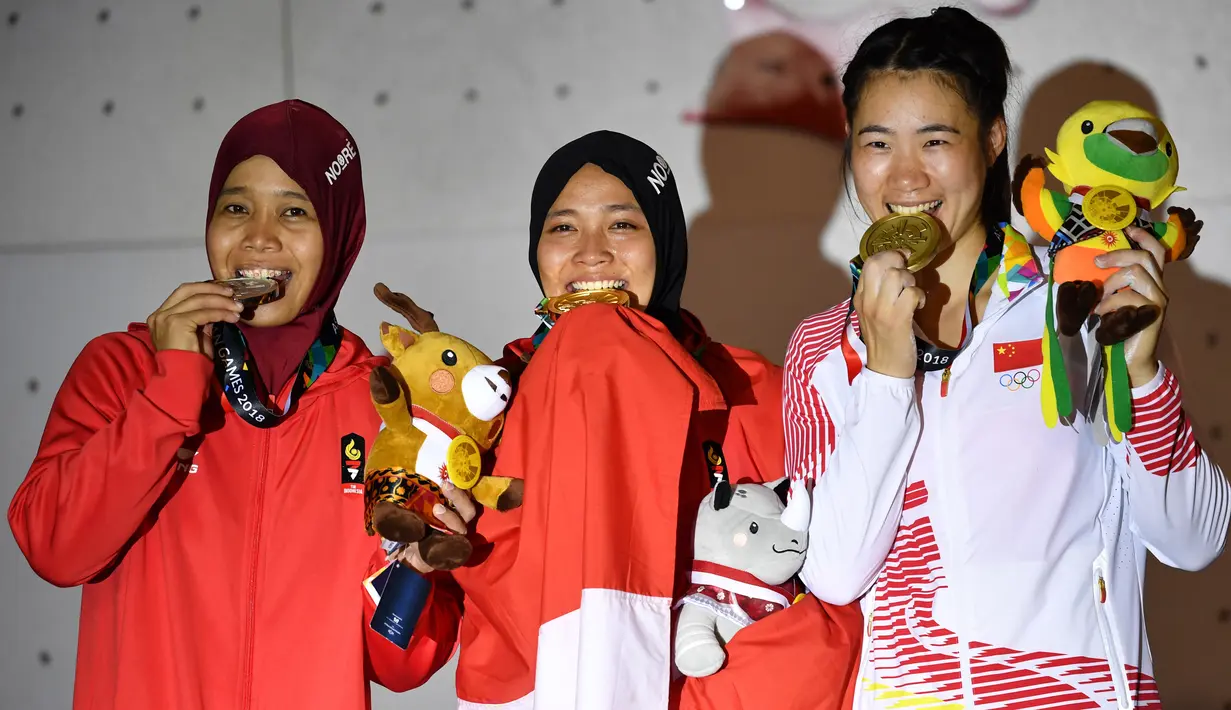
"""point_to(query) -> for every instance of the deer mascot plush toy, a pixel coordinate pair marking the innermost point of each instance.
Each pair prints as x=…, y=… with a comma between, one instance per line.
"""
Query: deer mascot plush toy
x=745, y=558
x=443, y=404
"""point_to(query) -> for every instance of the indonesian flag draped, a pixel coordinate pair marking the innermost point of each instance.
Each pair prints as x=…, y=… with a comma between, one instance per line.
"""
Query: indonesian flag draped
x=569, y=604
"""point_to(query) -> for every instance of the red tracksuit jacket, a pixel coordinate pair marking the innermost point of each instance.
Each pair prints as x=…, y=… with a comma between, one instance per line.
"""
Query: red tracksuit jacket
x=568, y=597
x=222, y=563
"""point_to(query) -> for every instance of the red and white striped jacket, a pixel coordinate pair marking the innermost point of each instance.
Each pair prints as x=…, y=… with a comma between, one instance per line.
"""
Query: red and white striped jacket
x=999, y=562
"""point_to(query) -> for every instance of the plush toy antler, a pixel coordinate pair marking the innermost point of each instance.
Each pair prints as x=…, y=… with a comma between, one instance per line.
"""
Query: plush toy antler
x=419, y=319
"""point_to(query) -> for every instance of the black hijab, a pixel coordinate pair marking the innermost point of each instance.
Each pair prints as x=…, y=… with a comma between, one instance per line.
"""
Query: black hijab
x=649, y=178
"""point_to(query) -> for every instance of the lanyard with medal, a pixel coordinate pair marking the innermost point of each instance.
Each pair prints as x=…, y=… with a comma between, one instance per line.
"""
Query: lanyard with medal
x=236, y=371
x=920, y=235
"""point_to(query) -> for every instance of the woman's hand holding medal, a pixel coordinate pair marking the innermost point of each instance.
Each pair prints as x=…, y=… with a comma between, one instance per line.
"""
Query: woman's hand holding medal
x=886, y=300
x=183, y=321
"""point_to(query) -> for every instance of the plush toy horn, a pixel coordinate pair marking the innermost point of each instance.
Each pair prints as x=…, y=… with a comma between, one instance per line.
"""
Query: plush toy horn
x=798, y=510
x=419, y=319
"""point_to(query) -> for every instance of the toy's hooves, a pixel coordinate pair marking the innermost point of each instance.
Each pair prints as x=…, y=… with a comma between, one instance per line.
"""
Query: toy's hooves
x=512, y=496
x=1125, y=322
x=397, y=524
x=383, y=385
x=1075, y=301
x=445, y=552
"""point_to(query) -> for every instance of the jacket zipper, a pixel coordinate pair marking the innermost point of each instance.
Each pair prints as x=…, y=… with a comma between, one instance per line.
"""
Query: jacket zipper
x=250, y=640
x=945, y=415
x=957, y=584
x=987, y=318
x=1102, y=611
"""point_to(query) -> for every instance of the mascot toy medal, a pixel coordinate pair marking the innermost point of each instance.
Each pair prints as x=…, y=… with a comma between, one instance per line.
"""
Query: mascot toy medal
x=1117, y=162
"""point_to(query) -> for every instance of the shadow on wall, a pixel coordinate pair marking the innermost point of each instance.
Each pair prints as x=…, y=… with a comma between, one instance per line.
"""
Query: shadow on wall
x=771, y=149
x=1188, y=615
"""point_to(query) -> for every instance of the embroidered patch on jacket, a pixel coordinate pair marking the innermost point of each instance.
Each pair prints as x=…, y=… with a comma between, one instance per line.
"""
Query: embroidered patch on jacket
x=353, y=458
x=1018, y=363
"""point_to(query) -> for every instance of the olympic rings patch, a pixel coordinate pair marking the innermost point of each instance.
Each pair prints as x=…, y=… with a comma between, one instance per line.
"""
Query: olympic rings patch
x=1020, y=380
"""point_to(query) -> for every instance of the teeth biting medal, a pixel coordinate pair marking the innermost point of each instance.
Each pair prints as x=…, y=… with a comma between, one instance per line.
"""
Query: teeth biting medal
x=244, y=290
x=254, y=291
x=233, y=365
x=559, y=305
x=919, y=233
x=586, y=292
x=551, y=309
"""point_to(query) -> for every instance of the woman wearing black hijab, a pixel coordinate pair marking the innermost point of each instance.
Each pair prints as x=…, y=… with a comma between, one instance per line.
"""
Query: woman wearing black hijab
x=571, y=605
x=647, y=238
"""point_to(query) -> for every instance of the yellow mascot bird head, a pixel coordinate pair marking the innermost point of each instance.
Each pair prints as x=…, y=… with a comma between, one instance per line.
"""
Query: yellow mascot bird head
x=1116, y=143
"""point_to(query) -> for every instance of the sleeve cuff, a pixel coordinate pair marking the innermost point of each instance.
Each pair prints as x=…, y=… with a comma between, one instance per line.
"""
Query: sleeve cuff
x=882, y=381
x=180, y=384
x=1162, y=436
x=1149, y=388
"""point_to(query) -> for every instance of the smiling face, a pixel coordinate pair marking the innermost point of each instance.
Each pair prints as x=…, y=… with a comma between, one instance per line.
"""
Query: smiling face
x=596, y=236
x=263, y=225
x=917, y=147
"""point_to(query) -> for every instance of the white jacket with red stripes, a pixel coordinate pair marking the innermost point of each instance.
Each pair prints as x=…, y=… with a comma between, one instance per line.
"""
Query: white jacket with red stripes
x=999, y=562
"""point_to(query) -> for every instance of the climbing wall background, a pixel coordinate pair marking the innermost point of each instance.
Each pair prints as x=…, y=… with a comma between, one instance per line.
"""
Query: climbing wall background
x=111, y=110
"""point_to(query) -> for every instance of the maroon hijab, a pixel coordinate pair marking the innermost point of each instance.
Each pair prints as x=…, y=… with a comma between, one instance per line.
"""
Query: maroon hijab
x=318, y=153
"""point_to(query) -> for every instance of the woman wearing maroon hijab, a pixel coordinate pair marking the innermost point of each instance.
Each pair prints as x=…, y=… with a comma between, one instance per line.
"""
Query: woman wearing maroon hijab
x=216, y=528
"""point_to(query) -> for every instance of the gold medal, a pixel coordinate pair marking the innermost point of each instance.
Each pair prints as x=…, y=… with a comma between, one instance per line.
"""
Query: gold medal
x=918, y=233
x=1109, y=207
x=463, y=461
x=253, y=291
x=559, y=305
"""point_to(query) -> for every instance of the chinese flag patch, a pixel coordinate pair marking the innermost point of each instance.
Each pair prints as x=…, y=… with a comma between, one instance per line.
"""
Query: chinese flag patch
x=1018, y=355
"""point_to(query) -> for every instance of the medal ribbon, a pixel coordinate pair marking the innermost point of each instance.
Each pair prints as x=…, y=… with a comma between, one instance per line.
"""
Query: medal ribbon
x=928, y=356
x=548, y=320
x=236, y=371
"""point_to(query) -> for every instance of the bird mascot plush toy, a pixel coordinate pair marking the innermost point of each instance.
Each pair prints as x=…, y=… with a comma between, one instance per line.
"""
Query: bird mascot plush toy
x=1117, y=162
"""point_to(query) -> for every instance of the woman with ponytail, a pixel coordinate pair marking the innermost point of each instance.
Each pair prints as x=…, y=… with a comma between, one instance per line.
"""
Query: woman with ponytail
x=998, y=562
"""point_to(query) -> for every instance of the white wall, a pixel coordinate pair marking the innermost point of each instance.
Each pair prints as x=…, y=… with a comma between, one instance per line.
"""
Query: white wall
x=101, y=215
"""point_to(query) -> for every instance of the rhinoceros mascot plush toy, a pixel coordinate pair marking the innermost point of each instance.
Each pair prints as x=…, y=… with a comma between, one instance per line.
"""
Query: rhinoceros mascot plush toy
x=746, y=554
